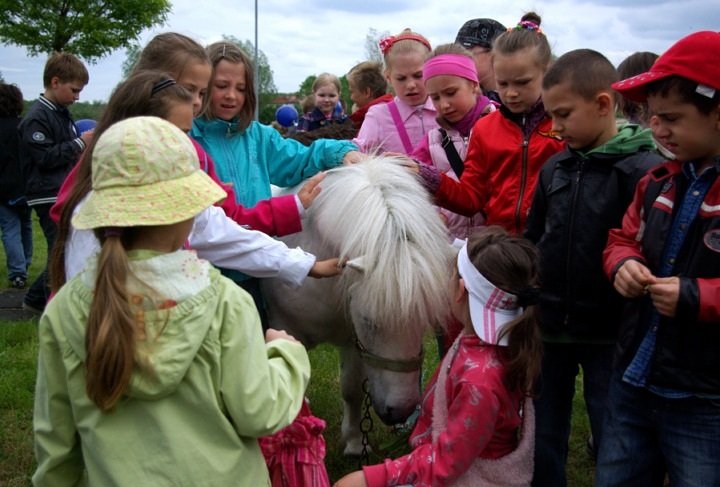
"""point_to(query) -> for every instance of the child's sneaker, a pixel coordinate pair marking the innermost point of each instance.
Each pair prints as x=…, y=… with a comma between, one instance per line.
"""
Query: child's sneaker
x=18, y=282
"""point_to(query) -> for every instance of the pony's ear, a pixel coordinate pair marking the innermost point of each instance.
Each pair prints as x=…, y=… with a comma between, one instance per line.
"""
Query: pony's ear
x=356, y=264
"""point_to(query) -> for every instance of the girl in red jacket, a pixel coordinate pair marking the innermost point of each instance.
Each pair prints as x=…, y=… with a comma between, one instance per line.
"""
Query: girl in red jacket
x=507, y=147
x=475, y=406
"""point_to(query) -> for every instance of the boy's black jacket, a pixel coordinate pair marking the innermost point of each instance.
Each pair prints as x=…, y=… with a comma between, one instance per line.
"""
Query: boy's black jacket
x=578, y=199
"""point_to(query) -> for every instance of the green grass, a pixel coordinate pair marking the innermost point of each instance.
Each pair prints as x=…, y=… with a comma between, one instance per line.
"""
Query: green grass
x=18, y=351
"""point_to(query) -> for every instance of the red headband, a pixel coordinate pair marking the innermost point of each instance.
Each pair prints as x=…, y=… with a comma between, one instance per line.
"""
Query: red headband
x=387, y=42
x=450, y=64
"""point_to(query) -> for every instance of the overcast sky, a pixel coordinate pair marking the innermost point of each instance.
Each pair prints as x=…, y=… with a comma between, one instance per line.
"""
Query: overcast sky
x=305, y=37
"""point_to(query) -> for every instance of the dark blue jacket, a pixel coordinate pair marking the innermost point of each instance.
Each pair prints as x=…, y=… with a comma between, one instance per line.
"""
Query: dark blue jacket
x=49, y=147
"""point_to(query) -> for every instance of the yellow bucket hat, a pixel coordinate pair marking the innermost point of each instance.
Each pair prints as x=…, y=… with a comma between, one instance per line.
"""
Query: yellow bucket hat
x=145, y=171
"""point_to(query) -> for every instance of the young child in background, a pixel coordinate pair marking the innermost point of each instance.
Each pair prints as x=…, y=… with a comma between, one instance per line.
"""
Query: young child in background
x=49, y=147
x=477, y=401
x=398, y=126
x=368, y=87
x=477, y=36
x=152, y=367
x=507, y=147
x=663, y=403
x=250, y=156
x=634, y=64
x=327, y=110
x=452, y=85
x=582, y=192
x=215, y=237
x=15, y=216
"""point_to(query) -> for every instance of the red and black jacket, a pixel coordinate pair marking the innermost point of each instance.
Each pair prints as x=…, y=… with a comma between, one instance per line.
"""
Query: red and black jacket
x=687, y=352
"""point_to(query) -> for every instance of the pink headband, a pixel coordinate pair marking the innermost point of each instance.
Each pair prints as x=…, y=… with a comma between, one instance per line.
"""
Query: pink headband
x=387, y=42
x=450, y=65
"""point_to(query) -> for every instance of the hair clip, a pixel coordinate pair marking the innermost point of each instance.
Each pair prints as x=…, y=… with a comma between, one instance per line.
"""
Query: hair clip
x=222, y=54
x=161, y=85
x=387, y=42
x=527, y=25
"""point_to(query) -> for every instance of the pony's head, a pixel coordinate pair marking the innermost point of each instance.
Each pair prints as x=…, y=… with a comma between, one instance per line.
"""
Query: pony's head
x=378, y=215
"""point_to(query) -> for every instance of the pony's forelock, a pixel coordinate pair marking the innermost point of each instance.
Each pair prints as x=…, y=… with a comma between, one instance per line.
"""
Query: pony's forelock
x=379, y=210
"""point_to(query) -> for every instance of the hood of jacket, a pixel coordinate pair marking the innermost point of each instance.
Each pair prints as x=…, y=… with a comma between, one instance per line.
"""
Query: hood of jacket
x=630, y=138
x=172, y=296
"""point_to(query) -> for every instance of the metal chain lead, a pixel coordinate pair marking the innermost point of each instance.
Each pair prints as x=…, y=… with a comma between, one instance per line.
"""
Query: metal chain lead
x=366, y=425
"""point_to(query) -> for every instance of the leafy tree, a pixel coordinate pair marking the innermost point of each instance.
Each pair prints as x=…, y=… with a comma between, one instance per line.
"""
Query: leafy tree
x=267, y=83
x=305, y=88
x=372, y=47
x=133, y=54
x=90, y=29
x=78, y=110
x=82, y=109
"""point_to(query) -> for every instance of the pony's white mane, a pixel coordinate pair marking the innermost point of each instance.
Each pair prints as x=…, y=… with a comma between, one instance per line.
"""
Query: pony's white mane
x=379, y=211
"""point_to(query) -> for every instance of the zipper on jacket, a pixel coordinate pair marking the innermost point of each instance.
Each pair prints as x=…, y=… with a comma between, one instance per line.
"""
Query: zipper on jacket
x=523, y=177
x=570, y=232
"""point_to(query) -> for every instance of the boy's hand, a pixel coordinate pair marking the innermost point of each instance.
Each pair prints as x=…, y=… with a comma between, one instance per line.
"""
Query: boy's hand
x=326, y=268
x=87, y=137
x=665, y=292
x=273, y=334
x=354, y=479
x=309, y=191
x=353, y=157
x=632, y=278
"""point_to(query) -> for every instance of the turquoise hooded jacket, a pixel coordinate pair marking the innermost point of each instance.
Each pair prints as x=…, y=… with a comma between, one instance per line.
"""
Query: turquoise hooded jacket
x=253, y=159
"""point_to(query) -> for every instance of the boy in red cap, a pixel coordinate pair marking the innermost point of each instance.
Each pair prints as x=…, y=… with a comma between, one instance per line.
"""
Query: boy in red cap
x=664, y=399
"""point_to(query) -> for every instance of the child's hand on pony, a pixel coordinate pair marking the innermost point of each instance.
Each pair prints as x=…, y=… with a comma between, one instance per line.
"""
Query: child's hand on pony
x=326, y=268
x=406, y=161
x=353, y=157
x=309, y=191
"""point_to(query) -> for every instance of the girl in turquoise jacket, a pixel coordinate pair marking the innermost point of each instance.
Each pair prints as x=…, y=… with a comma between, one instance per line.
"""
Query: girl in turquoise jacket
x=247, y=154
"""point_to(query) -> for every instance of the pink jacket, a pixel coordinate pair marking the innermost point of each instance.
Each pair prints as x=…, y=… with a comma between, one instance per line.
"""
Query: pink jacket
x=378, y=131
x=430, y=151
x=482, y=421
x=275, y=216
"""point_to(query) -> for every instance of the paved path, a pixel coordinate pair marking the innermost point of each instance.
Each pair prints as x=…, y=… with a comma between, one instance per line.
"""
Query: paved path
x=11, y=305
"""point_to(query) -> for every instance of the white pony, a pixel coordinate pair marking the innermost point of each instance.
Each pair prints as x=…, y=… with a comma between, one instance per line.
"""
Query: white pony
x=376, y=214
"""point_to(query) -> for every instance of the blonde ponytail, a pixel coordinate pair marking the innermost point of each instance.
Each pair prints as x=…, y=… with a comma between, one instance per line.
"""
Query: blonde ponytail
x=110, y=335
